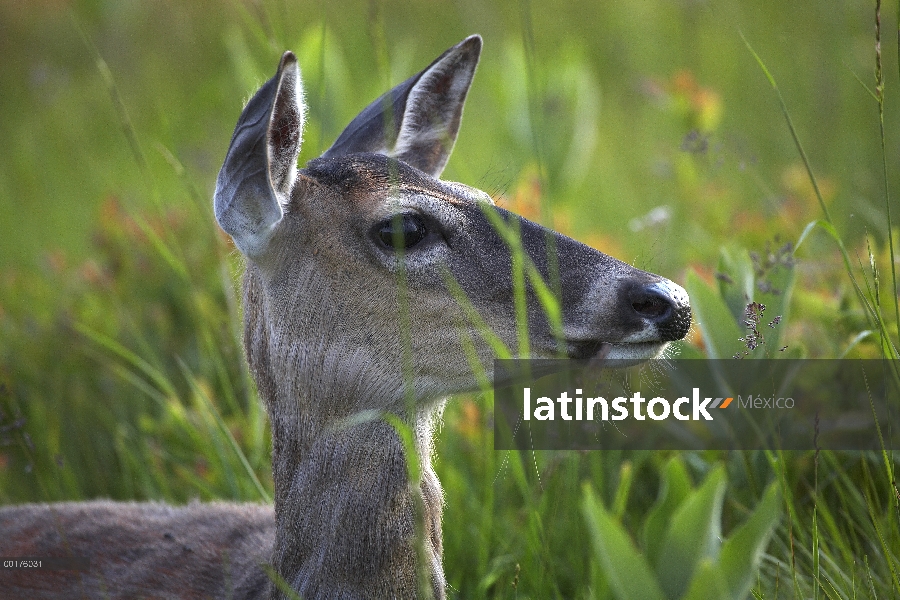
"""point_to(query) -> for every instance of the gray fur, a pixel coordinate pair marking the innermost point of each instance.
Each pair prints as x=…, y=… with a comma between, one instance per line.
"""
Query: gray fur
x=339, y=329
x=138, y=550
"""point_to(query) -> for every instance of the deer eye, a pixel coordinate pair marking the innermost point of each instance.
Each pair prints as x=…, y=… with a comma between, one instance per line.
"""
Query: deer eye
x=401, y=231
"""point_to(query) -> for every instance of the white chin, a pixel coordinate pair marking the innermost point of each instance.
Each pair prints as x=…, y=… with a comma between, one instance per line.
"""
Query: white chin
x=627, y=355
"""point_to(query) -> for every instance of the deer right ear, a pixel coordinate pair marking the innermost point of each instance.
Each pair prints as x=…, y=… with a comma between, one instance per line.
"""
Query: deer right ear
x=255, y=182
x=418, y=120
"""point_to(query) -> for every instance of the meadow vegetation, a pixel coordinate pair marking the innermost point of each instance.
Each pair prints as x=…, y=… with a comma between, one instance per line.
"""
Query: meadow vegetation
x=747, y=151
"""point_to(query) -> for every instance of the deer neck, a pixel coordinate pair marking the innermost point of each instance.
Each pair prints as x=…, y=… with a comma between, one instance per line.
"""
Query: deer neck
x=346, y=512
x=342, y=493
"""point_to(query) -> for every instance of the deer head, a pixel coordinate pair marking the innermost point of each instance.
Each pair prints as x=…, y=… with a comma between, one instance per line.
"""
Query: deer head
x=326, y=247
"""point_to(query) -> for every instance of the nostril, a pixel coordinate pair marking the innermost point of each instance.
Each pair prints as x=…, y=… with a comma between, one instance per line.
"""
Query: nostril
x=651, y=305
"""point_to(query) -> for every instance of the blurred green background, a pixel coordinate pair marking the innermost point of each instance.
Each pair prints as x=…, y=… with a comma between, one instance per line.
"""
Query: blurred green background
x=612, y=90
x=646, y=129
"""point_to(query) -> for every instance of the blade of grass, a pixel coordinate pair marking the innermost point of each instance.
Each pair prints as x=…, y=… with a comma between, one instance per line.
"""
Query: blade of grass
x=548, y=300
x=113, y=90
x=777, y=462
x=630, y=575
x=130, y=357
x=871, y=314
x=414, y=474
x=192, y=381
x=474, y=317
x=879, y=91
x=790, y=123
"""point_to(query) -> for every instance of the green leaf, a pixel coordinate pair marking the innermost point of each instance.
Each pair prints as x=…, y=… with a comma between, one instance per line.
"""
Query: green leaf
x=626, y=477
x=743, y=550
x=628, y=573
x=720, y=331
x=736, y=263
x=708, y=583
x=775, y=288
x=693, y=535
x=826, y=227
x=675, y=487
x=771, y=287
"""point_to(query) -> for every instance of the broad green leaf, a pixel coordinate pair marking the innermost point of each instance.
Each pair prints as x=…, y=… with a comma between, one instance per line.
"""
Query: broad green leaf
x=626, y=477
x=675, y=487
x=693, y=534
x=628, y=573
x=741, y=289
x=708, y=583
x=720, y=332
x=772, y=288
x=743, y=550
x=825, y=226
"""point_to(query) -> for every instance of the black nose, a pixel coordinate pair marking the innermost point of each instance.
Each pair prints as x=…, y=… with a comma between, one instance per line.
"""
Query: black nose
x=666, y=305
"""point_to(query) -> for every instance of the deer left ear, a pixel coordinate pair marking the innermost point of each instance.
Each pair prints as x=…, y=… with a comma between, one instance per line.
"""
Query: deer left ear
x=255, y=181
x=417, y=121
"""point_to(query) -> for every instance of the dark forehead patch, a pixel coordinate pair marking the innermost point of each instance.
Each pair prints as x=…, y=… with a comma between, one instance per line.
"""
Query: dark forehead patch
x=366, y=173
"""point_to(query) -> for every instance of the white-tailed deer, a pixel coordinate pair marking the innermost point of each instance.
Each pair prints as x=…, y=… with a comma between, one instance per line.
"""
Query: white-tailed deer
x=362, y=273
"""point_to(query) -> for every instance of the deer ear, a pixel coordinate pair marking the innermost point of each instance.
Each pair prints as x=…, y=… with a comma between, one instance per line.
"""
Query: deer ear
x=418, y=120
x=256, y=179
